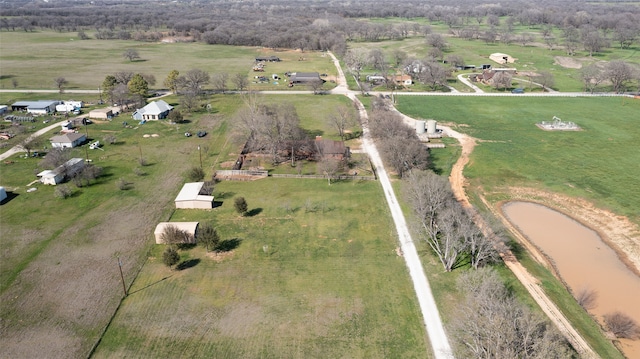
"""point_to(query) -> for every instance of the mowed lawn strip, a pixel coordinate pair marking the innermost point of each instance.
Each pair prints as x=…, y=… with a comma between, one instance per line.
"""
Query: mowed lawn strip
x=312, y=273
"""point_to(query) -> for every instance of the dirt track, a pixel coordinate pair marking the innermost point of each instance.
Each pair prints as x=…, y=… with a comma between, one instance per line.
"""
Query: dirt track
x=531, y=283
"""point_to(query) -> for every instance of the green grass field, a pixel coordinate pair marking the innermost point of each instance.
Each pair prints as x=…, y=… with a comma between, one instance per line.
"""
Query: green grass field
x=85, y=63
x=595, y=163
x=310, y=277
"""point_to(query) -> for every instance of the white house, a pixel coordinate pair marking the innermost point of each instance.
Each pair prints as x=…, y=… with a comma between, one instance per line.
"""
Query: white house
x=55, y=176
x=190, y=197
x=191, y=228
x=156, y=110
x=68, y=140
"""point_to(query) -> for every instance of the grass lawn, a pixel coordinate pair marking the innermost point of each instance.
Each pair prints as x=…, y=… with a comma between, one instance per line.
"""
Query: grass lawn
x=309, y=276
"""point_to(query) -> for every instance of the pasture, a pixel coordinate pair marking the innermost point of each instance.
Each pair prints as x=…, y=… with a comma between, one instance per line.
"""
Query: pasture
x=597, y=163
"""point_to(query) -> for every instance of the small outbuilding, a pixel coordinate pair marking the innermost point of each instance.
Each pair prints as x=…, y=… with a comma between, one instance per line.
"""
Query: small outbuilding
x=304, y=77
x=58, y=175
x=190, y=229
x=191, y=196
x=68, y=140
x=501, y=58
x=3, y=194
x=101, y=113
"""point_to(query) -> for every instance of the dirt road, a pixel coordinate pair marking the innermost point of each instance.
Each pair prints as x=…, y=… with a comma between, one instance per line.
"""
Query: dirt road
x=531, y=283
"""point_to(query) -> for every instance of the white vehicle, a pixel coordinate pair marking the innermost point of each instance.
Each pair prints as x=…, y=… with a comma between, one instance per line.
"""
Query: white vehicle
x=94, y=145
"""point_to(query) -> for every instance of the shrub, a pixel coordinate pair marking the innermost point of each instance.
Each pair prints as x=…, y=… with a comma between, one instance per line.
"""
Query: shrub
x=170, y=257
x=62, y=191
x=196, y=174
x=240, y=204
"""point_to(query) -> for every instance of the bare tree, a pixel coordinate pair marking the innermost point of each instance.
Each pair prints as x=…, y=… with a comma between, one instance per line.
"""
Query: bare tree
x=591, y=76
x=219, y=81
x=571, y=40
x=502, y=80
x=316, y=86
x=29, y=144
x=587, y=298
x=491, y=323
x=524, y=38
x=437, y=41
x=60, y=83
x=194, y=80
x=622, y=325
x=123, y=77
x=592, y=40
x=241, y=81
x=131, y=54
x=619, y=73
x=449, y=242
x=329, y=167
x=356, y=59
x=546, y=79
x=341, y=119
x=433, y=74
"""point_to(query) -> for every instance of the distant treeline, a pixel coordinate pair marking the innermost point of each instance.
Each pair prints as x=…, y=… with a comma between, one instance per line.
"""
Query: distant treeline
x=313, y=25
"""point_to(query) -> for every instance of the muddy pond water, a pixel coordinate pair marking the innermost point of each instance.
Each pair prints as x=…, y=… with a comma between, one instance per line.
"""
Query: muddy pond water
x=582, y=259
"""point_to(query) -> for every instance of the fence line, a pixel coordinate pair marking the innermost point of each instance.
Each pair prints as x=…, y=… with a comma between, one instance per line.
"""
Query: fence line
x=224, y=173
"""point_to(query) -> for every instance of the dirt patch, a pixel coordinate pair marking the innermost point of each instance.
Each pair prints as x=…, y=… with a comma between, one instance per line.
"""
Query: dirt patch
x=568, y=62
x=220, y=256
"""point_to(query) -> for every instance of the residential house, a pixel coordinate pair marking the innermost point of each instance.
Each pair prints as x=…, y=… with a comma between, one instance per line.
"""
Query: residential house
x=156, y=110
x=68, y=140
x=191, y=196
x=332, y=149
x=402, y=80
x=190, y=228
x=58, y=175
x=375, y=79
x=41, y=107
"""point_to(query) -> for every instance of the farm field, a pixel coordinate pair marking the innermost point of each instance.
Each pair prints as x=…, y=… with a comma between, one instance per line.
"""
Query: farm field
x=85, y=63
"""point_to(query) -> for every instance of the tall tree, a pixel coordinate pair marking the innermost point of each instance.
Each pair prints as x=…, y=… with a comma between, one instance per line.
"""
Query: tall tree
x=138, y=86
x=108, y=85
x=341, y=119
x=171, y=82
x=194, y=80
x=619, y=73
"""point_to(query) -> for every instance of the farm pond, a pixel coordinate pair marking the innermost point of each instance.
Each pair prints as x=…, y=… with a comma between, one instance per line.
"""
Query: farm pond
x=583, y=261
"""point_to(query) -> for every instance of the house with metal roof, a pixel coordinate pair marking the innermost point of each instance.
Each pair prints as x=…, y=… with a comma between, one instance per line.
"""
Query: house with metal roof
x=57, y=175
x=191, y=196
x=156, y=110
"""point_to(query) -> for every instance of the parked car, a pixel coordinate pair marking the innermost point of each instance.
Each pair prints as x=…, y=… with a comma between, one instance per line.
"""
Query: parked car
x=518, y=90
x=187, y=134
x=202, y=133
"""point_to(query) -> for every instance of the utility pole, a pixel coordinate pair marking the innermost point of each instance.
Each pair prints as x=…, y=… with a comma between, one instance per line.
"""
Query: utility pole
x=124, y=287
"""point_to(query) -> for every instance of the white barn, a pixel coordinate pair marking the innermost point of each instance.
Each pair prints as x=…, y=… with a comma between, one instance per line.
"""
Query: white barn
x=191, y=228
x=190, y=197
